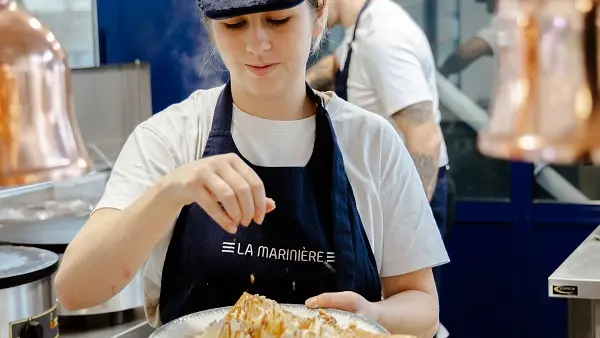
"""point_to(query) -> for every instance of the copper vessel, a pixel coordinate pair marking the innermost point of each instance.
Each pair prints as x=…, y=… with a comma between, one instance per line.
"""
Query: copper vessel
x=547, y=84
x=515, y=92
x=39, y=136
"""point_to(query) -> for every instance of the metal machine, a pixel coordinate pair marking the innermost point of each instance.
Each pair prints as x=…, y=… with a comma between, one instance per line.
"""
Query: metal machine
x=578, y=280
x=39, y=142
x=48, y=215
x=67, y=207
x=47, y=178
x=27, y=308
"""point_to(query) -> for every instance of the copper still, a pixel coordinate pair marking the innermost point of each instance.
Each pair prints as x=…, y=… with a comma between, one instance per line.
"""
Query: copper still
x=39, y=136
x=546, y=103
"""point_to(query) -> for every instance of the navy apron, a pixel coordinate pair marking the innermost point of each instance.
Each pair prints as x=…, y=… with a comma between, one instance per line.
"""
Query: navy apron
x=439, y=207
x=313, y=242
x=340, y=79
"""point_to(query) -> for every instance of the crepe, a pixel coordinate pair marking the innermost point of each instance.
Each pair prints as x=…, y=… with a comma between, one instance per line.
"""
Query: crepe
x=256, y=316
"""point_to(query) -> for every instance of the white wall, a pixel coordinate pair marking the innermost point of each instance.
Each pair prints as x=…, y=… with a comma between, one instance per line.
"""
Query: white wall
x=73, y=22
x=477, y=80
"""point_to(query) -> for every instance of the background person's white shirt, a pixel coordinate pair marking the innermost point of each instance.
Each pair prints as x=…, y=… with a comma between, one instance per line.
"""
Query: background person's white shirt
x=389, y=196
x=489, y=34
x=392, y=66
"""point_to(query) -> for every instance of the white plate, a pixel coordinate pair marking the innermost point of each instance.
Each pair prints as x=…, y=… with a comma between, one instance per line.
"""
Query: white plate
x=199, y=321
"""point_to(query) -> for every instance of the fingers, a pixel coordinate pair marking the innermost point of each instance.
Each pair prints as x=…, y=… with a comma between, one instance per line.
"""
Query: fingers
x=270, y=205
x=224, y=193
x=256, y=187
x=243, y=194
x=212, y=208
x=228, y=180
x=345, y=301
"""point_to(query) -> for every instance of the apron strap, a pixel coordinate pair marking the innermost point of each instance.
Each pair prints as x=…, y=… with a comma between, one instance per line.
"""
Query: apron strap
x=341, y=77
x=222, y=122
x=349, y=53
x=223, y=111
x=362, y=9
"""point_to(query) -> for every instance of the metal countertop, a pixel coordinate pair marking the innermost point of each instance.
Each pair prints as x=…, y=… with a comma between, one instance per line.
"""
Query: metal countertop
x=134, y=326
x=579, y=275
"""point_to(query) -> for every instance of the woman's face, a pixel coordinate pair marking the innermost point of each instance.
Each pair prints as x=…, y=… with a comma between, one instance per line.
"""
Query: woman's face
x=267, y=52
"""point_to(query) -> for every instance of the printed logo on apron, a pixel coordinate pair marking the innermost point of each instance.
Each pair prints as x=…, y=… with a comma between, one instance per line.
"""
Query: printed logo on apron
x=292, y=255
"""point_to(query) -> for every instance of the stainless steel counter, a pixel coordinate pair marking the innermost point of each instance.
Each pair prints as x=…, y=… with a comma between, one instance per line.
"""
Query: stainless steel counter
x=578, y=280
x=134, y=326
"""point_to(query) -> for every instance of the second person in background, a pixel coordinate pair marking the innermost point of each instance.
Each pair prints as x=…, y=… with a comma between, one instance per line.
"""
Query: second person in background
x=385, y=65
x=484, y=43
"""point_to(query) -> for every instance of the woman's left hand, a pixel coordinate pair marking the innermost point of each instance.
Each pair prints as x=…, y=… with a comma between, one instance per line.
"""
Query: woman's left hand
x=345, y=301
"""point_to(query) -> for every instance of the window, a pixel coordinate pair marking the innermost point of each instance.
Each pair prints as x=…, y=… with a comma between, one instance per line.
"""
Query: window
x=74, y=23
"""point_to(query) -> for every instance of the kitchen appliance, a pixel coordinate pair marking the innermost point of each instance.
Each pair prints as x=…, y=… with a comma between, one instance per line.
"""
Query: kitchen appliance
x=40, y=141
x=49, y=217
x=129, y=298
x=27, y=306
x=546, y=102
x=39, y=136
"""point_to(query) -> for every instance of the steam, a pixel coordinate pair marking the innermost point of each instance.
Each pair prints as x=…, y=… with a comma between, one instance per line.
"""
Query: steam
x=201, y=67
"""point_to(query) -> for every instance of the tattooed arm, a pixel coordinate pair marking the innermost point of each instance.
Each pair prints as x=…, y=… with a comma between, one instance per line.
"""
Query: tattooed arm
x=320, y=75
x=422, y=140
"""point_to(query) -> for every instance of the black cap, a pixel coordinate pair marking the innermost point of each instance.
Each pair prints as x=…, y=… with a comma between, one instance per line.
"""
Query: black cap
x=223, y=9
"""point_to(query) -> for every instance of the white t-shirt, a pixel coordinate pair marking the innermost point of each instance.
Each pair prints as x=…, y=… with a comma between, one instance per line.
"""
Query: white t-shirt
x=389, y=196
x=392, y=66
x=489, y=34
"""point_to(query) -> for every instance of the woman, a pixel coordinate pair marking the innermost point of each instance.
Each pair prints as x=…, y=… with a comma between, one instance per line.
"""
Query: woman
x=266, y=186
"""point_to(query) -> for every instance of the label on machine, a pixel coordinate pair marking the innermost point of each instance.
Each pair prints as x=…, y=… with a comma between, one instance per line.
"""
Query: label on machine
x=565, y=290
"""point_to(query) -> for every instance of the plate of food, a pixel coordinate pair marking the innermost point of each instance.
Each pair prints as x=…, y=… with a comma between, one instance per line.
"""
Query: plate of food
x=257, y=316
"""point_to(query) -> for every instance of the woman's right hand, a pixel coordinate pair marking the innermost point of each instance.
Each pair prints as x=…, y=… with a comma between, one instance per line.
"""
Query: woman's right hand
x=221, y=180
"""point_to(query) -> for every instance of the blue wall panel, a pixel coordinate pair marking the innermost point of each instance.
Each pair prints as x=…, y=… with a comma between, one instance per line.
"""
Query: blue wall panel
x=553, y=244
x=167, y=34
x=502, y=255
x=476, y=291
x=108, y=31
